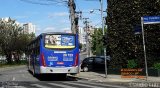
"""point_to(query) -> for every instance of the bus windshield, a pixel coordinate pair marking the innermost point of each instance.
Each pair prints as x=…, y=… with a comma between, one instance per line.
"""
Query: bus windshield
x=59, y=41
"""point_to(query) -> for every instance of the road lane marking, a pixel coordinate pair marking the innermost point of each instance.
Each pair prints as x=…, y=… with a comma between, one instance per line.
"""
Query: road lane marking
x=107, y=85
x=13, y=79
x=40, y=86
x=61, y=85
x=85, y=85
x=17, y=87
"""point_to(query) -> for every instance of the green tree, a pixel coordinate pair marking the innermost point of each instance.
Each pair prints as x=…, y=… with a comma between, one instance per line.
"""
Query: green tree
x=12, y=40
x=131, y=64
x=122, y=18
x=9, y=32
x=97, y=42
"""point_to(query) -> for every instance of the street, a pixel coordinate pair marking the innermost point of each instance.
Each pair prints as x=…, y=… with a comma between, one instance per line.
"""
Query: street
x=80, y=44
x=20, y=77
x=57, y=84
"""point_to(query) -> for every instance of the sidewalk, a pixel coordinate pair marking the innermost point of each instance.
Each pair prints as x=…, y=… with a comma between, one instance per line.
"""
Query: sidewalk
x=100, y=77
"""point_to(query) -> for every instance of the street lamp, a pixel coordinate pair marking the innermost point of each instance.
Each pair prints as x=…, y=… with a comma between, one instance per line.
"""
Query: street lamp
x=91, y=11
x=104, y=49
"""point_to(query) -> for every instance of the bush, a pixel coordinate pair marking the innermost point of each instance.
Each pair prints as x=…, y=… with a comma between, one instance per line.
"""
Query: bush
x=131, y=64
x=156, y=66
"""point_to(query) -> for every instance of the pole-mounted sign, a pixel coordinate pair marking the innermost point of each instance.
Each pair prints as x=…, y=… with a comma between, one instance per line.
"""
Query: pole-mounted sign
x=151, y=19
x=148, y=20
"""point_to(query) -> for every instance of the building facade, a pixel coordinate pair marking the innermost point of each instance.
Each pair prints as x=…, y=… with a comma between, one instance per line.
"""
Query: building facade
x=82, y=36
x=29, y=28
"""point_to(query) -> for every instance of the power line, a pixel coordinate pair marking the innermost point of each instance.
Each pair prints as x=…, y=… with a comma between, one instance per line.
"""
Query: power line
x=91, y=0
x=46, y=2
x=70, y=3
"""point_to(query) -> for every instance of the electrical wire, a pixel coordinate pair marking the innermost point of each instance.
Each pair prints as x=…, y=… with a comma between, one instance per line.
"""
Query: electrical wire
x=92, y=0
x=46, y=2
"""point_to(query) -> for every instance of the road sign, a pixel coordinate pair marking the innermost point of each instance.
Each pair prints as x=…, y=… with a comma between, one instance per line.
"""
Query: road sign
x=147, y=20
x=137, y=29
x=151, y=19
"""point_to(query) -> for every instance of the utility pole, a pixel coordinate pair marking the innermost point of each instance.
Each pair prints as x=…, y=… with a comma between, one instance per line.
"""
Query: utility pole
x=102, y=18
x=87, y=36
x=73, y=16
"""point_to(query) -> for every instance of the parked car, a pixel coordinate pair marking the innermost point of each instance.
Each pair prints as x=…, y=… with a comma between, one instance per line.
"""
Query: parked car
x=94, y=63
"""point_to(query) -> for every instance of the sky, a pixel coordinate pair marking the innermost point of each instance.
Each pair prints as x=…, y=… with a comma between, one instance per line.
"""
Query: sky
x=53, y=17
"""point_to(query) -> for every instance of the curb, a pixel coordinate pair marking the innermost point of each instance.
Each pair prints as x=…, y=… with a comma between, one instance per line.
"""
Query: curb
x=114, y=80
x=117, y=83
x=109, y=80
x=125, y=84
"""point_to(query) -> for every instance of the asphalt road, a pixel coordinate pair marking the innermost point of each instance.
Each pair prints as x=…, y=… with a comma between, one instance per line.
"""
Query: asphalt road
x=57, y=84
x=20, y=77
x=21, y=73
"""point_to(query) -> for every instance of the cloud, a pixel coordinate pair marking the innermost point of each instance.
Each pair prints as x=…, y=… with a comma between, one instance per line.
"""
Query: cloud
x=54, y=29
x=59, y=14
x=68, y=30
x=40, y=30
x=65, y=21
x=49, y=29
x=20, y=17
x=32, y=12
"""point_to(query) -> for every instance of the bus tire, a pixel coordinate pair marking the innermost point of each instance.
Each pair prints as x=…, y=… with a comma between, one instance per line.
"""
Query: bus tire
x=33, y=72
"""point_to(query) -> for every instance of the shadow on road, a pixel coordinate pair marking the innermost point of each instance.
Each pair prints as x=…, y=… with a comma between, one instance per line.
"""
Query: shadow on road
x=54, y=77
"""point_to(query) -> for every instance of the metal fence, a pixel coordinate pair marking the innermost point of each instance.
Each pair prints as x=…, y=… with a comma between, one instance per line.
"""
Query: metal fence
x=3, y=60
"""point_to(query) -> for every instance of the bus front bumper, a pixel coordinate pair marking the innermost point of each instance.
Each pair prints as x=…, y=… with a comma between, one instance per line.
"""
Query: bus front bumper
x=61, y=70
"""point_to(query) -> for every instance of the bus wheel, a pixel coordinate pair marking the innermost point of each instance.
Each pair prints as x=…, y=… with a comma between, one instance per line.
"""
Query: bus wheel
x=33, y=72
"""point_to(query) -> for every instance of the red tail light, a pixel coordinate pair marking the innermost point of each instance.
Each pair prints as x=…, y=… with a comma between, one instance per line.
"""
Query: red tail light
x=76, y=60
x=43, y=60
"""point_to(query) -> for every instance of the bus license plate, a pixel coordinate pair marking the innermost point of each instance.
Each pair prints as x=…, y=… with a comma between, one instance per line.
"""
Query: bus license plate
x=60, y=62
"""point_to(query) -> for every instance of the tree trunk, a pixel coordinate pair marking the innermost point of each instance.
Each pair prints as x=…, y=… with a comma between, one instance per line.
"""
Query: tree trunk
x=9, y=57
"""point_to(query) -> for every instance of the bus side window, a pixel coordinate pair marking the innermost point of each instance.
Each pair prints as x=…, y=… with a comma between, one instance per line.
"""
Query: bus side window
x=37, y=51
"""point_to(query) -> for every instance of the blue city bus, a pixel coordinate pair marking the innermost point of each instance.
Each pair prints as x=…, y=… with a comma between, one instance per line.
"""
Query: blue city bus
x=54, y=53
